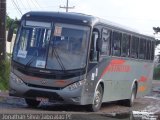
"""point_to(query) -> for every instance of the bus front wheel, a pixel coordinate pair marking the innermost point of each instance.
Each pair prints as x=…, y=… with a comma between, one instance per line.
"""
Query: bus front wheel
x=32, y=102
x=97, y=101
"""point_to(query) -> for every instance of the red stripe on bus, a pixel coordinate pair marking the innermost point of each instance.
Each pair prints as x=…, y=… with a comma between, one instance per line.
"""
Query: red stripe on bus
x=111, y=67
x=119, y=62
x=106, y=70
x=143, y=79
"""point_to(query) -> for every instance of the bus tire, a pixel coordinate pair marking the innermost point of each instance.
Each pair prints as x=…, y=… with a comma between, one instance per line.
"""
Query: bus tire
x=32, y=103
x=130, y=102
x=97, y=101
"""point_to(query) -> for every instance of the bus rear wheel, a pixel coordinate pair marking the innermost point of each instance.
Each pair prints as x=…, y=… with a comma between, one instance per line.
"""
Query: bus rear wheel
x=97, y=101
x=32, y=103
x=130, y=102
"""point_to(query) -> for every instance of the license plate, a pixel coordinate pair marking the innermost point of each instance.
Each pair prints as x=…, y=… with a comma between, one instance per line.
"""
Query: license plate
x=42, y=99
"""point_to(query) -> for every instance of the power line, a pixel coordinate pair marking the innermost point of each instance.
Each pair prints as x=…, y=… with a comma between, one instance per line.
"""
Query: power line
x=34, y=3
x=22, y=4
x=15, y=8
x=28, y=4
x=17, y=4
x=67, y=6
x=38, y=3
x=11, y=8
x=18, y=9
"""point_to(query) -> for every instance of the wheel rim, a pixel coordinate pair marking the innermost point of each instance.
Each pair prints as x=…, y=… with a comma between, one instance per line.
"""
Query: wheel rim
x=133, y=96
x=97, y=98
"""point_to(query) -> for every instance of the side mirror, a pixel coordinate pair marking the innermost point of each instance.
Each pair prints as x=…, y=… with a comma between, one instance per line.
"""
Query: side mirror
x=99, y=44
x=11, y=30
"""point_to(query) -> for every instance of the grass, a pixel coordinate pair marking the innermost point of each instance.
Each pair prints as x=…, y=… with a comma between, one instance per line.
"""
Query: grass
x=4, y=74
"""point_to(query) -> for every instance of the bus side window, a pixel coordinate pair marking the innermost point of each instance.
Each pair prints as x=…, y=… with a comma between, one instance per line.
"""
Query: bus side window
x=106, y=36
x=148, y=50
x=142, y=48
x=116, y=43
x=134, y=47
x=93, y=51
x=152, y=50
x=125, y=45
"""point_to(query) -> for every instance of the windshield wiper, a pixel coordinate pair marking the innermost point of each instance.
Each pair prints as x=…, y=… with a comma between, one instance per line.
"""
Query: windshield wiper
x=32, y=59
x=58, y=59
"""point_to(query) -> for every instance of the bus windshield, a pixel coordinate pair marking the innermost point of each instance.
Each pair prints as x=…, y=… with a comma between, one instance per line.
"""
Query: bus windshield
x=62, y=48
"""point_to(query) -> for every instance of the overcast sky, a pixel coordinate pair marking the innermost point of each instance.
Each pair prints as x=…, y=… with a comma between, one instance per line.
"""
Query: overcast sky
x=141, y=15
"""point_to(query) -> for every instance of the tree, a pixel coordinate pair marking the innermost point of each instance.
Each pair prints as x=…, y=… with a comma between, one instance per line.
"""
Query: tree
x=9, y=22
x=157, y=42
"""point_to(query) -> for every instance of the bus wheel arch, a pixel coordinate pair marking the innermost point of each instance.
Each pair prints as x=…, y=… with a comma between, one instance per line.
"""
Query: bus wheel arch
x=102, y=85
x=136, y=83
x=32, y=103
x=97, y=99
x=129, y=102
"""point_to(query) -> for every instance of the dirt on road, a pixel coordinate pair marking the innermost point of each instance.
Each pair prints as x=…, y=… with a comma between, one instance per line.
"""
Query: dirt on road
x=147, y=107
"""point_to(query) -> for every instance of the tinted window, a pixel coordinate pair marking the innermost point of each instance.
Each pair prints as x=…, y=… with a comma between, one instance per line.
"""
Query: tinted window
x=93, y=51
x=148, y=50
x=32, y=43
x=152, y=51
x=116, y=43
x=125, y=45
x=68, y=47
x=142, y=48
x=134, y=47
x=106, y=42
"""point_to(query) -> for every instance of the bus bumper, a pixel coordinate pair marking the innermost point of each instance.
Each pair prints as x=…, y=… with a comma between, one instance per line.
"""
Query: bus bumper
x=21, y=89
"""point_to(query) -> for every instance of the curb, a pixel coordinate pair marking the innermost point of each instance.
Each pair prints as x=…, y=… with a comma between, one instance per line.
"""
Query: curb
x=5, y=98
x=4, y=94
x=157, y=90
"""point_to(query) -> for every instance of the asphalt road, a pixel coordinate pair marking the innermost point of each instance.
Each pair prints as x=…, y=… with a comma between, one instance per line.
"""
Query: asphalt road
x=145, y=108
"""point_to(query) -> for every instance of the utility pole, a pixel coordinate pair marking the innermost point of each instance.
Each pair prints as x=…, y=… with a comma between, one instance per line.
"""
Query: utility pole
x=156, y=31
x=157, y=42
x=2, y=29
x=67, y=6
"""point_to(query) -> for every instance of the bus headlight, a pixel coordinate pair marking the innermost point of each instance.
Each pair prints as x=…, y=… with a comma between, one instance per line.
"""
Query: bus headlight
x=76, y=85
x=16, y=79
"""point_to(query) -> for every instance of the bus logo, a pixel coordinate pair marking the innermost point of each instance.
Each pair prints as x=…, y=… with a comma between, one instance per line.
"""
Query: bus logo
x=43, y=82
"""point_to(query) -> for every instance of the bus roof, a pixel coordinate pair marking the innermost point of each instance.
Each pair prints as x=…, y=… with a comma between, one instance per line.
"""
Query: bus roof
x=61, y=14
x=70, y=15
x=124, y=28
x=92, y=20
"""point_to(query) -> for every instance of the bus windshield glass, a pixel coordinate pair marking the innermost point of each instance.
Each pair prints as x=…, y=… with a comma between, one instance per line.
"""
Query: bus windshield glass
x=62, y=48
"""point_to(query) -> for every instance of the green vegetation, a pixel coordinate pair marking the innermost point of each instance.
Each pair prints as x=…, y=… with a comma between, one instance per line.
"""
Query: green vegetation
x=5, y=65
x=9, y=22
x=4, y=74
x=156, y=75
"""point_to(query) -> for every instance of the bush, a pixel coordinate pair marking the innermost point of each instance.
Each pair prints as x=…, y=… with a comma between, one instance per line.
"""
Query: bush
x=4, y=74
